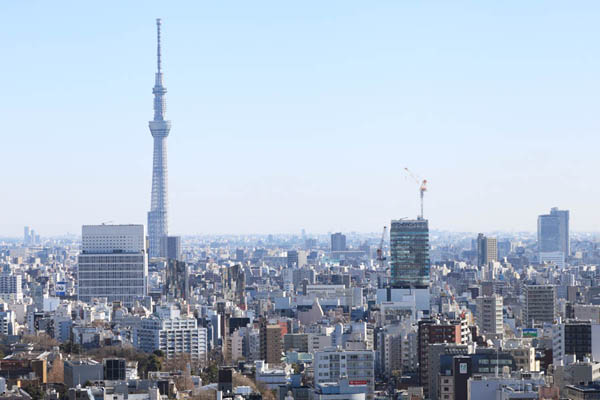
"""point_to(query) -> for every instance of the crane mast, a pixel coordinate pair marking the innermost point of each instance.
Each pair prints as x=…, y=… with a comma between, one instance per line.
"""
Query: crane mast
x=422, y=188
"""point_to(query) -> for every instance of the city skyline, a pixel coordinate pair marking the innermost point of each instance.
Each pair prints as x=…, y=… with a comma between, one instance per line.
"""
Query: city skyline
x=362, y=201
x=230, y=165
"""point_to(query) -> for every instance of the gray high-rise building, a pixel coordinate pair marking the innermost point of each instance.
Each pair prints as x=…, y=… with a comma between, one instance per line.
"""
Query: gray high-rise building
x=540, y=304
x=553, y=231
x=553, y=236
x=338, y=242
x=296, y=258
x=177, y=280
x=409, y=251
x=487, y=250
x=157, y=216
x=170, y=247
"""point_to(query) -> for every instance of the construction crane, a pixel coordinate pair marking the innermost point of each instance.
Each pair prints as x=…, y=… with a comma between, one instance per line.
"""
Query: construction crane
x=422, y=187
x=380, y=257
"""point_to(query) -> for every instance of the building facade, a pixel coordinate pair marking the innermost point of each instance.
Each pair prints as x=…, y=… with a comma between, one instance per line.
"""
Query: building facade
x=540, y=304
x=489, y=316
x=334, y=364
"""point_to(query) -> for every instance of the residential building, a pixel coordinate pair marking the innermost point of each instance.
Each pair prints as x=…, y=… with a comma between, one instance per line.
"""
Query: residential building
x=11, y=287
x=171, y=333
x=271, y=346
x=489, y=315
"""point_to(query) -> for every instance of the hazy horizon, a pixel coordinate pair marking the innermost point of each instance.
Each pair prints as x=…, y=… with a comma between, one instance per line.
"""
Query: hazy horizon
x=301, y=115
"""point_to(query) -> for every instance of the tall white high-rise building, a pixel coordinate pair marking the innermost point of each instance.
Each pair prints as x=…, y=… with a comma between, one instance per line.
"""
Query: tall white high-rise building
x=112, y=263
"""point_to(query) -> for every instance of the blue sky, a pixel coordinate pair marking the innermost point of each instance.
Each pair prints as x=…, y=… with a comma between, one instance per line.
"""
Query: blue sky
x=291, y=115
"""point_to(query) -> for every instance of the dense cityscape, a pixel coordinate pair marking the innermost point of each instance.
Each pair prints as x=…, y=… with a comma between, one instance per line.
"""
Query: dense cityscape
x=134, y=312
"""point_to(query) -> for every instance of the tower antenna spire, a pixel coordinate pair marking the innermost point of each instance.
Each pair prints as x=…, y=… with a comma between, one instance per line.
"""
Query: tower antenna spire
x=158, y=24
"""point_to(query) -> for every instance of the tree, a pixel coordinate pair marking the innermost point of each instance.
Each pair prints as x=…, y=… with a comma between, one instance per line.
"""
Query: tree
x=70, y=348
x=35, y=391
x=57, y=372
x=179, y=363
x=154, y=363
x=243, y=380
x=158, y=353
x=43, y=341
x=210, y=374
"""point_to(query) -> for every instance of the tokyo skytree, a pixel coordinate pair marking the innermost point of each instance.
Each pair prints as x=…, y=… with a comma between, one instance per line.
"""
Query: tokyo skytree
x=159, y=127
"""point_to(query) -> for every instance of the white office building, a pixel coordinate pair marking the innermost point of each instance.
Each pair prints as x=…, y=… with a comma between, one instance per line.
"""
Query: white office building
x=113, y=263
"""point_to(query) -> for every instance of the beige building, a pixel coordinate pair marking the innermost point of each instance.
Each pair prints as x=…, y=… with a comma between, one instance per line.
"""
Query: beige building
x=489, y=316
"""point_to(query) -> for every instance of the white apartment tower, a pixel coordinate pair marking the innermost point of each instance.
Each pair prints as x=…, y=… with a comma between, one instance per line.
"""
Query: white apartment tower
x=10, y=287
x=113, y=263
x=172, y=333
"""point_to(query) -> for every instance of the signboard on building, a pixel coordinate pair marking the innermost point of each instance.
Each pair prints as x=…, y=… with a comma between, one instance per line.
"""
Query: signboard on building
x=60, y=288
x=530, y=333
